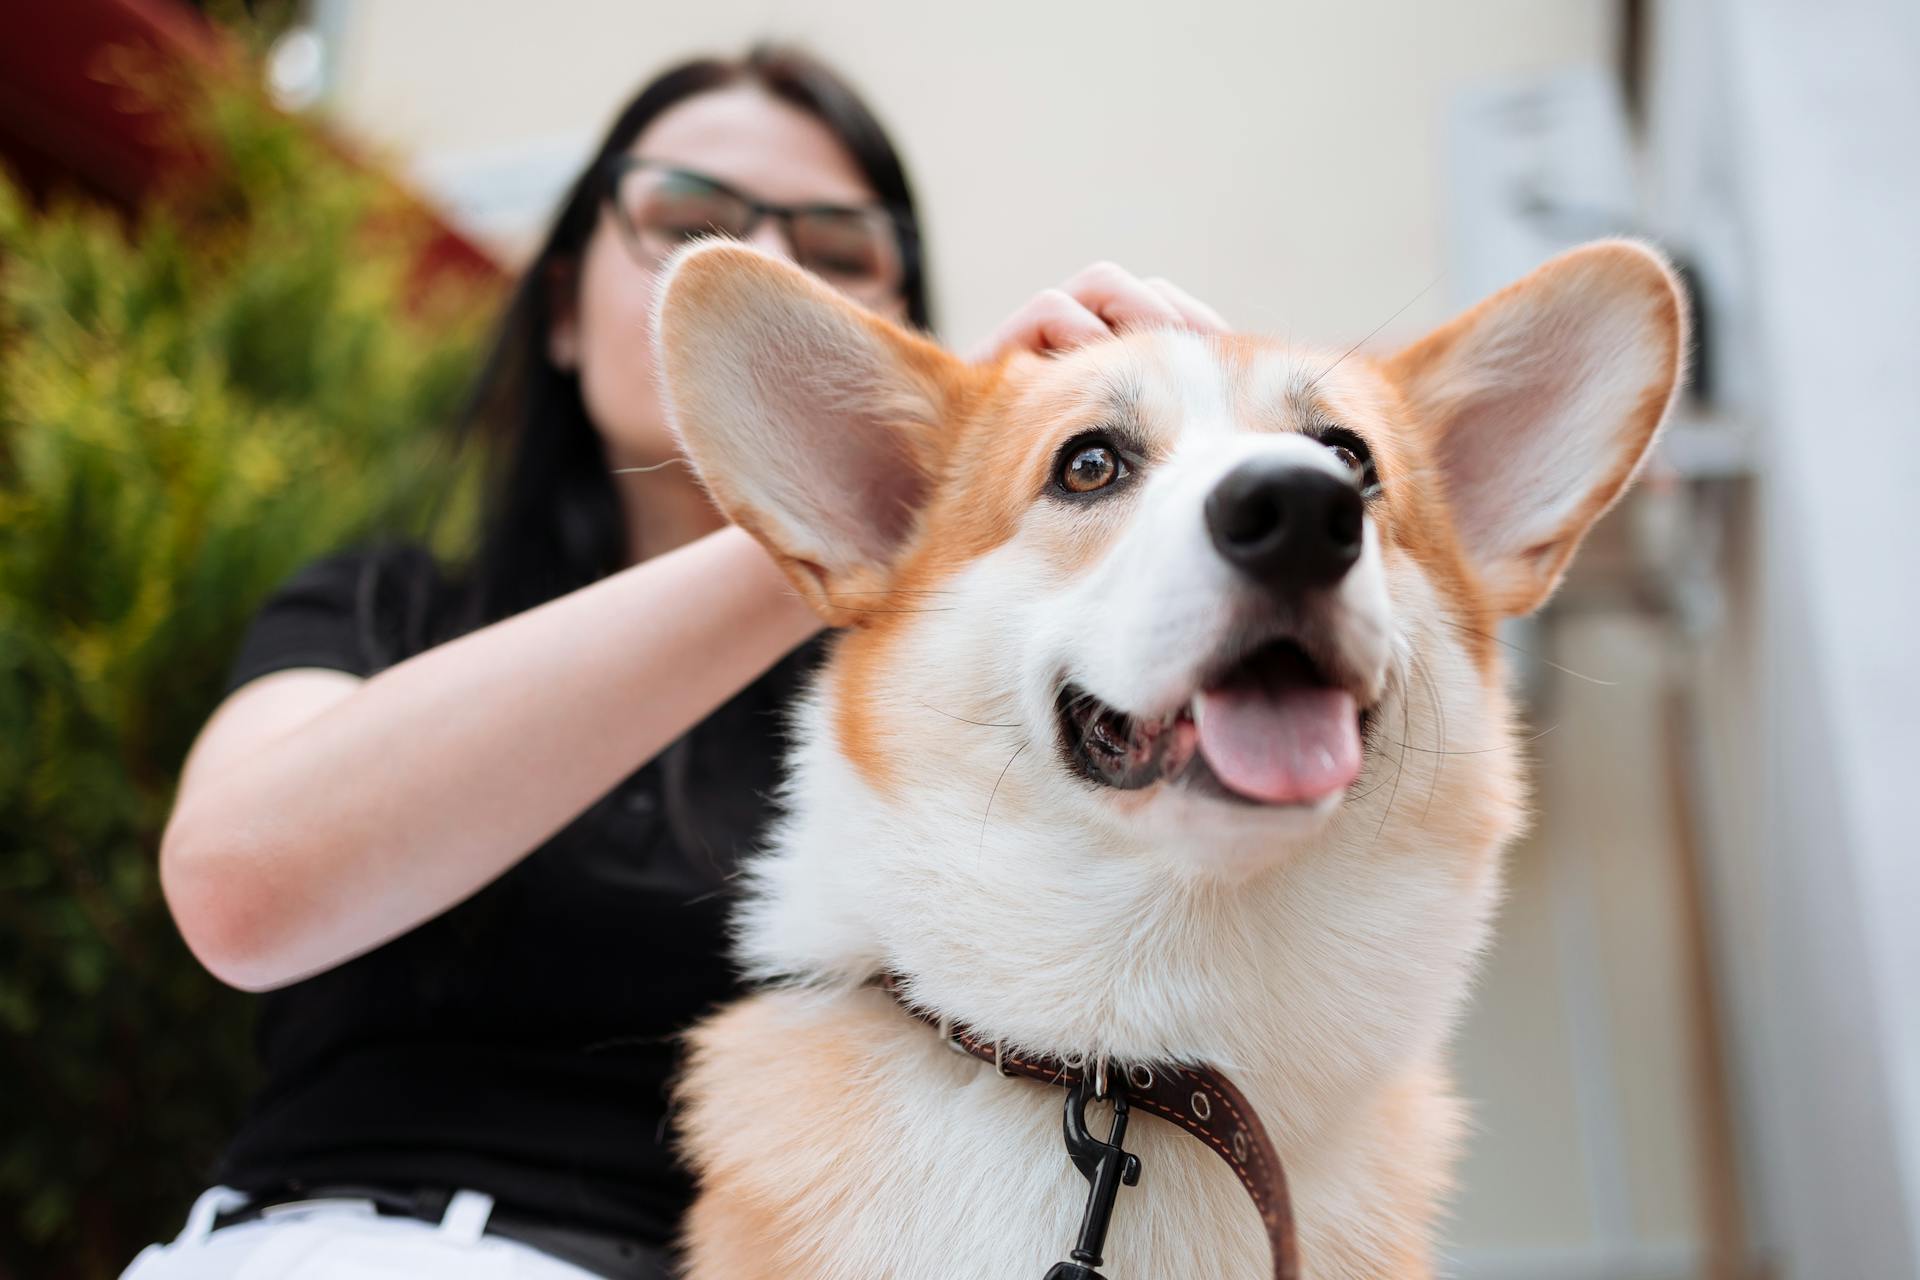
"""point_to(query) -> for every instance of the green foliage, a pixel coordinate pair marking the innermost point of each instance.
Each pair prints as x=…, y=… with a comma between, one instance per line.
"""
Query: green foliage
x=190, y=409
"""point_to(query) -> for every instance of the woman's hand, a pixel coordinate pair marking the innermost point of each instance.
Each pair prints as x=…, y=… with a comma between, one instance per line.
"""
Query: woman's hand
x=1100, y=301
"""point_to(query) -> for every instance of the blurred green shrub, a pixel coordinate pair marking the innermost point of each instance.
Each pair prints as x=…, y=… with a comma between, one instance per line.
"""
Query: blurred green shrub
x=191, y=406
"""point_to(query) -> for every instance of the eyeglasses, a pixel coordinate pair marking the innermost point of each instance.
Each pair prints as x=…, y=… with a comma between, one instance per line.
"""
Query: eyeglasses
x=856, y=248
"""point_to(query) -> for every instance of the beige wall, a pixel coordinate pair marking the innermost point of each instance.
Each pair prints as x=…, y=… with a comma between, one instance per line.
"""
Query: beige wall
x=1280, y=159
x=1578, y=1055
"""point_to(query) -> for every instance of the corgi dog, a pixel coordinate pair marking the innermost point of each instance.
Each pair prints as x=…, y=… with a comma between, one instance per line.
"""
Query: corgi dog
x=1166, y=725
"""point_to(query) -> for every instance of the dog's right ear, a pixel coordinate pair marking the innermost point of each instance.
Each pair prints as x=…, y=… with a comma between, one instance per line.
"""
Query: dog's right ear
x=815, y=425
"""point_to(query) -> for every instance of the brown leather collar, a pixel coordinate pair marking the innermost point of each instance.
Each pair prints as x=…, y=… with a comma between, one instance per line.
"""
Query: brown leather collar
x=1198, y=1099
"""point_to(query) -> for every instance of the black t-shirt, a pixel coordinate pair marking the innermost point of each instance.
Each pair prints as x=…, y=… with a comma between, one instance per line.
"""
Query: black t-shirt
x=521, y=1043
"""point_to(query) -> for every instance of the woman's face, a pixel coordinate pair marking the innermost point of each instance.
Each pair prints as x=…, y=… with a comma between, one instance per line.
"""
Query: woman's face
x=751, y=142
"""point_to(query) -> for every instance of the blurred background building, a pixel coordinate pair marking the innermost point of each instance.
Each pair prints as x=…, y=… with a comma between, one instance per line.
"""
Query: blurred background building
x=1696, y=1050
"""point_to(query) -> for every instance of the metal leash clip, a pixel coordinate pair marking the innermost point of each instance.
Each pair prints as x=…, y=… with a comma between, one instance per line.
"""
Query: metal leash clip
x=1105, y=1167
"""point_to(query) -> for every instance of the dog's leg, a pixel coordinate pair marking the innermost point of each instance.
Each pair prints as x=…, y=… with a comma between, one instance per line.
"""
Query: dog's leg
x=774, y=1120
x=1371, y=1202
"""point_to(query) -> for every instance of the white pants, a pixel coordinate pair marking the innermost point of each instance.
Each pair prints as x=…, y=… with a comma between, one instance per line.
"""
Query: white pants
x=344, y=1240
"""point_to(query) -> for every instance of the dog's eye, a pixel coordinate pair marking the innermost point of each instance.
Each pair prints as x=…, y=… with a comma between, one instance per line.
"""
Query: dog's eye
x=1354, y=455
x=1091, y=465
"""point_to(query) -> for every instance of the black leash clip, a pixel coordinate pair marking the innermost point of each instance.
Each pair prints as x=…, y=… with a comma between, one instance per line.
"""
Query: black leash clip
x=1105, y=1166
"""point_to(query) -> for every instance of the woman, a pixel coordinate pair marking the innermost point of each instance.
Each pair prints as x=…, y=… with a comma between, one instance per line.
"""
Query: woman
x=480, y=926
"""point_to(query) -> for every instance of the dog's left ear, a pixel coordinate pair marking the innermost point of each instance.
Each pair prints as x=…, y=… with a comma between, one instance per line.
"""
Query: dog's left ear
x=1542, y=401
x=815, y=425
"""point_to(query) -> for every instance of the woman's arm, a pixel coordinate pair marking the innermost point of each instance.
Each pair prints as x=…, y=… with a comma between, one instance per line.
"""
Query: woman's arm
x=320, y=815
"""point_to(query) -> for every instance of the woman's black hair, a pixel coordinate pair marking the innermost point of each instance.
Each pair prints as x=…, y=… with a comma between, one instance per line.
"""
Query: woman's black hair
x=552, y=520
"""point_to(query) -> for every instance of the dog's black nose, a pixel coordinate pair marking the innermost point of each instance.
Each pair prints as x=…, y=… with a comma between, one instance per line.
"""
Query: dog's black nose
x=1286, y=525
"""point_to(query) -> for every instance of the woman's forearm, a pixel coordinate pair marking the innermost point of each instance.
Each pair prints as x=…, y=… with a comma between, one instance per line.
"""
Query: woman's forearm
x=422, y=784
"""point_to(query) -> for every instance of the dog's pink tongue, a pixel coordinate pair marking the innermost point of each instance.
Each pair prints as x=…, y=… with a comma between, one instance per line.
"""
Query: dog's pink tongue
x=1290, y=745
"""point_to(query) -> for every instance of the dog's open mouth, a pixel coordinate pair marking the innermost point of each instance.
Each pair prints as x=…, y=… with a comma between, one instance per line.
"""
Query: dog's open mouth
x=1270, y=729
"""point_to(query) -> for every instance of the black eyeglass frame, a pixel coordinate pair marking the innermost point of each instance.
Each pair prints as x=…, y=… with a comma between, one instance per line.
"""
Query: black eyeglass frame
x=618, y=167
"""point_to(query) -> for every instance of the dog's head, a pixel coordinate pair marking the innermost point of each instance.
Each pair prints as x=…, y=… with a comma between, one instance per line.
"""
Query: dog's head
x=1164, y=610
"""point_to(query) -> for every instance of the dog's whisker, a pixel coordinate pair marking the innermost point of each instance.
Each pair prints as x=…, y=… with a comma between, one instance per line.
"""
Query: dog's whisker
x=1439, y=750
x=963, y=720
x=995, y=792
x=1528, y=653
x=1359, y=796
x=1479, y=751
x=1376, y=330
x=1400, y=768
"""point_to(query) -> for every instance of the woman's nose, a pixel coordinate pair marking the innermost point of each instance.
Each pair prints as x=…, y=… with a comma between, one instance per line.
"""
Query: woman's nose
x=772, y=237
